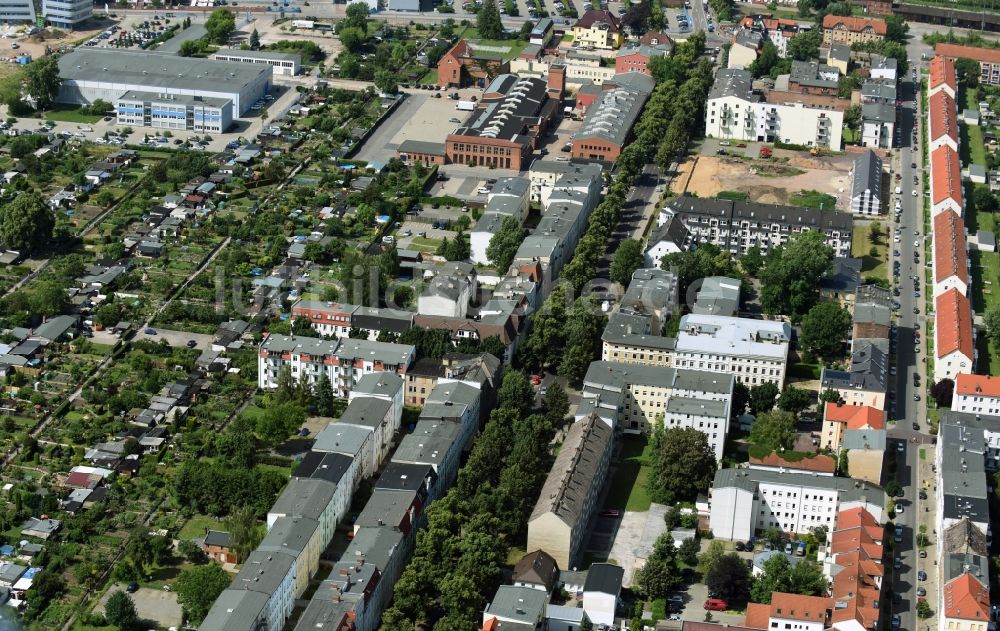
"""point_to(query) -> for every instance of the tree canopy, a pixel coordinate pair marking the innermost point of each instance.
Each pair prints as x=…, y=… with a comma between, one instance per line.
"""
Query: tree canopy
x=773, y=430
x=504, y=244
x=42, y=81
x=730, y=579
x=795, y=400
x=763, y=398
x=683, y=465
x=805, y=45
x=220, y=26
x=488, y=21
x=824, y=330
x=791, y=274
x=805, y=578
x=626, y=259
x=198, y=587
x=26, y=223
x=660, y=575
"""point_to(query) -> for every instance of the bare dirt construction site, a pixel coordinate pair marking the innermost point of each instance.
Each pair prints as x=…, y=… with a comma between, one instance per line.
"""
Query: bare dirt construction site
x=770, y=181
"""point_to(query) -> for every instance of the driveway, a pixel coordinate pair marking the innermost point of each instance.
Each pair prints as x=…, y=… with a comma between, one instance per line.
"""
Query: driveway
x=152, y=605
x=635, y=538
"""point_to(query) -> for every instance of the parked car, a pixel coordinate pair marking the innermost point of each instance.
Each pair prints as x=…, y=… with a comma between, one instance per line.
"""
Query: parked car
x=716, y=604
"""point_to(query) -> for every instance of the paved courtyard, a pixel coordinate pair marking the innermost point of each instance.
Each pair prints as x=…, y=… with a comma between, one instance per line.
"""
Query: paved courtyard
x=153, y=605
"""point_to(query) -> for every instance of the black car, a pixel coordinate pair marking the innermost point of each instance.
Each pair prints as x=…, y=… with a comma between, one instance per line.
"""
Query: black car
x=191, y=343
x=132, y=588
x=740, y=547
x=916, y=427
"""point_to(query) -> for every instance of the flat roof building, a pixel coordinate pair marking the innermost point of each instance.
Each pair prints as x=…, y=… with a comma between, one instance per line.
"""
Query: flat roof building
x=281, y=63
x=89, y=74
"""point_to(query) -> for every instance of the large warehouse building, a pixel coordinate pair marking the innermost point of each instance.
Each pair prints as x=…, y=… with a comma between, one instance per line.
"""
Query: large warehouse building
x=89, y=74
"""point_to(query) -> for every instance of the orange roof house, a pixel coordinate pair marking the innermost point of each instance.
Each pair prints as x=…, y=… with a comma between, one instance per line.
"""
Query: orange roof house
x=946, y=180
x=965, y=598
x=856, y=553
x=954, y=343
x=942, y=76
x=977, y=385
x=819, y=463
x=838, y=418
x=951, y=260
x=848, y=30
x=943, y=115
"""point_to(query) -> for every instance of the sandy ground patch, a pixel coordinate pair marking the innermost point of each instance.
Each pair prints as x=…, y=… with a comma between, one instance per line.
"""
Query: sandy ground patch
x=714, y=174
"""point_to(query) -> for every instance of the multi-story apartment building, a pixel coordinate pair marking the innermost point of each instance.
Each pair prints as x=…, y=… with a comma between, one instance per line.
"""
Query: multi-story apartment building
x=343, y=362
x=954, y=336
x=942, y=121
x=753, y=351
x=631, y=398
x=558, y=524
x=865, y=381
x=598, y=28
x=738, y=226
x=791, y=611
x=850, y=30
x=988, y=59
x=866, y=185
x=839, y=418
x=946, y=181
x=950, y=263
x=736, y=112
x=747, y=501
x=942, y=76
x=67, y=14
x=976, y=394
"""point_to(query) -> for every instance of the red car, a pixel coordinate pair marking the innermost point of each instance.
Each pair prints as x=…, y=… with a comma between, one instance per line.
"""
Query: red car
x=535, y=380
x=742, y=145
x=716, y=604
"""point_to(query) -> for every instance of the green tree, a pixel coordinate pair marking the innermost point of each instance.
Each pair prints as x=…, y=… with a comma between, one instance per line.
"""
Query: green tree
x=41, y=81
x=120, y=611
x=323, y=397
x=244, y=532
x=515, y=392
x=556, y=404
x=198, y=587
x=896, y=29
x=766, y=60
x=730, y=579
x=791, y=274
x=763, y=398
x=278, y=421
x=659, y=575
x=189, y=48
x=795, y=400
x=688, y=552
x=586, y=624
x=992, y=320
x=804, y=578
x=488, y=21
x=220, y=26
x=48, y=298
x=967, y=71
x=504, y=244
x=26, y=223
x=683, y=465
x=254, y=40
x=773, y=430
x=924, y=610
x=843, y=464
x=830, y=396
x=357, y=16
x=752, y=261
x=626, y=259
x=805, y=45
x=984, y=200
x=385, y=81
x=824, y=330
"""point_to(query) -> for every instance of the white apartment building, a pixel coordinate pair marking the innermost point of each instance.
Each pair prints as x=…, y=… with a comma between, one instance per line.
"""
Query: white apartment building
x=746, y=501
x=753, y=351
x=976, y=394
x=633, y=397
x=67, y=13
x=543, y=175
x=343, y=361
x=174, y=111
x=735, y=227
x=736, y=112
x=509, y=198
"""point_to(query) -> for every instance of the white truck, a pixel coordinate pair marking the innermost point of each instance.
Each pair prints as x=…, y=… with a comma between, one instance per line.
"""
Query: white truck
x=466, y=106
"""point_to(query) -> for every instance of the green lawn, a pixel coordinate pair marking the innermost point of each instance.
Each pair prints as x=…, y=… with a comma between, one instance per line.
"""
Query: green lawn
x=70, y=114
x=628, y=487
x=814, y=199
x=514, y=46
x=430, y=77
x=423, y=244
x=198, y=525
x=861, y=246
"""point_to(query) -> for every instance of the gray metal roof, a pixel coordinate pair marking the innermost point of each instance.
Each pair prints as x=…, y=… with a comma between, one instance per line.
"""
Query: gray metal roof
x=962, y=440
x=868, y=372
x=180, y=99
x=264, y=571
x=376, y=545
x=509, y=116
x=605, y=578
x=385, y=508
x=616, y=110
x=260, y=54
x=748, y=479
x=341, y=439
x=697, y=407
x=304, y=497
x=236, y=610
x=873, y=439
x=123, y=66
x=429, y=443
x=366, y=412
x=289, y=535
x=718, y=295
x=382, y=383
x=733, y=82
x=573, y=476
x=421, y=146
x=521, y=604
x=404, y=476
x=651, y=290
x=881, y=112
x=867, y=175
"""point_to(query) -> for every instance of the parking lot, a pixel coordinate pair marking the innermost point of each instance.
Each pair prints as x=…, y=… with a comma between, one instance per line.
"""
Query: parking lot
x=634, y=539
x=176, y=338
x=153, y=605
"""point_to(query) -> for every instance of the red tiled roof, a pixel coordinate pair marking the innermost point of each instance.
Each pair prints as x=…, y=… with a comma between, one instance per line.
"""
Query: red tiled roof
x=982, y=385
x=944, y=116
x=594, y=16
x=966, y=598
x=818, y=463
x=856, y=416
x=950, y=256
x=947, y=173
x=798, y=607
x=758, y=616
x=942, y=72
x=856, y=550
x=953, y=324
x=957, y=51
x=854, y=24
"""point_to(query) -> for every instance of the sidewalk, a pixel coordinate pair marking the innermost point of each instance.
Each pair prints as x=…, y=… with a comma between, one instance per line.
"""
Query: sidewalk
x=926, y=480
